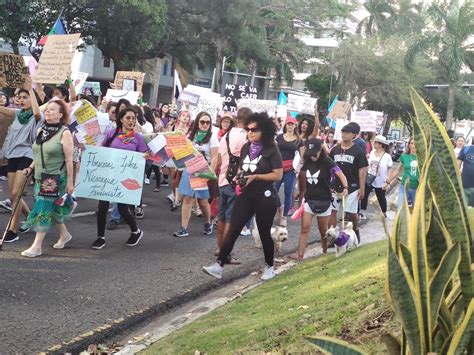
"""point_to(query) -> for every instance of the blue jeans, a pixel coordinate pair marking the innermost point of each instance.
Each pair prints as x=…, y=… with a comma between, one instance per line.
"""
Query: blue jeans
x=410, y=196
x=115, y=216
x=289, y=179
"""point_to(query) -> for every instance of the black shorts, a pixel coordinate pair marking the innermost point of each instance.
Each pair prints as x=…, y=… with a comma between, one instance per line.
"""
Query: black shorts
x=15, y=164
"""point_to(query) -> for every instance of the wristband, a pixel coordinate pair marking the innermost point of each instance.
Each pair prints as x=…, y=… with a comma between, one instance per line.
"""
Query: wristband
x=69, y=81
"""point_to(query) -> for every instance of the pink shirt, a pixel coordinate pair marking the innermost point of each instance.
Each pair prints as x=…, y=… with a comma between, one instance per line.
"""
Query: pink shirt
x=237, y=139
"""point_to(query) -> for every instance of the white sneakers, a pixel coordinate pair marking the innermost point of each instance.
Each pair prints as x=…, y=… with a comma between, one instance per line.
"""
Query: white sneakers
x=268, y=273
x=214, y=270
x=61, y=244
x=30, y=253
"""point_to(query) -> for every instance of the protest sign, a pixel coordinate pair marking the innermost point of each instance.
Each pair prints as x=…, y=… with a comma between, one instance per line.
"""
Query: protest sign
x=301, y=104
x=197, y=163
x=268, y=106
x=337, y=130
x=189, y=97
x=234, y=92
x=55, y=62
x=84, y=112
x=91, y=88
x=366, y=119
x=198, y=183
x=199, y=90
x=210, y=102
x=157, y=143
x=282, y=111
x=78, y=80
x=115, y=95
x=129, y=80
x=114, y=175
x=339, y=111
x=13, y=72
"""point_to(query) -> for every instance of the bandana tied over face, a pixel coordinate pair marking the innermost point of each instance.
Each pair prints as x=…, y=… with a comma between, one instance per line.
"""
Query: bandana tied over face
x=126, y=137
x=47, y=132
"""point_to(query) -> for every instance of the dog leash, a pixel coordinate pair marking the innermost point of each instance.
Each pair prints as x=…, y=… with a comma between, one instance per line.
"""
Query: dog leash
x=343, y=211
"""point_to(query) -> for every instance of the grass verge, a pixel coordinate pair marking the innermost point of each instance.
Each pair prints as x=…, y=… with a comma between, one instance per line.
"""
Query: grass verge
x=341, y=297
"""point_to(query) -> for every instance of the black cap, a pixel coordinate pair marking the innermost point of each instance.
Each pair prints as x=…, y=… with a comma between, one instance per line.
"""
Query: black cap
x=351, y=127
x=313, y=146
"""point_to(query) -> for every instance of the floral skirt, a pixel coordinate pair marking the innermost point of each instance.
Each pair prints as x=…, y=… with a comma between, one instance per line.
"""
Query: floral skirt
x=45, y=213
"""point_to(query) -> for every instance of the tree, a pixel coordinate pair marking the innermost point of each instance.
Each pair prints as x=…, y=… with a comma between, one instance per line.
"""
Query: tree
x=451, y=25
x=381, y=17
x=320, y=86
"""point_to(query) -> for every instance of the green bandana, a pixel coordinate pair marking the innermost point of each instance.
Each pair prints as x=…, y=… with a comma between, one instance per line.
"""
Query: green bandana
x=25, y=116
x=200, y=135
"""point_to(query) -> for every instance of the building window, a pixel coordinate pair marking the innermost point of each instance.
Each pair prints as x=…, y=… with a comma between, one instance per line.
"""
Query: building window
x=165, y=68
x=106, y=62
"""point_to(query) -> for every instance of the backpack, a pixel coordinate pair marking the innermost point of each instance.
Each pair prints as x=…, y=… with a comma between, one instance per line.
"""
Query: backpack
x=234, y=163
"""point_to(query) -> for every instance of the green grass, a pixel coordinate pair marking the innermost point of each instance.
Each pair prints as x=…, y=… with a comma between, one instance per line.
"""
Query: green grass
x=341, y=297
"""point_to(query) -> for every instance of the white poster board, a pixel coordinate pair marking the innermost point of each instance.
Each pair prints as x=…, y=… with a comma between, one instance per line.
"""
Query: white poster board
x=78, y=79
x=115, y=95
x=337, y=131
x=366, y=119
x=268, y=106
x=210, y=102
x=301, y=104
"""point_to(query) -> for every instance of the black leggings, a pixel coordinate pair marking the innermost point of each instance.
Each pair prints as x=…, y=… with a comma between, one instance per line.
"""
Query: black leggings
x=380, y=193
x=245, y=206
x=156, y=169
x=124, y=212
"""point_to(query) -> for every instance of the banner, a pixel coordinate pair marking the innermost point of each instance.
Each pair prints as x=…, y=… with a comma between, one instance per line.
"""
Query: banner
x=114, y=175
x=55, y=62
x=13, y=72
x=301, y=104
x=234, y=92
x=367, y=120
x=337, y=130
x=210, y=102
x=78, y=79
x=268, y=106
x=129, y=80
x=91, y=88
x=115, y=95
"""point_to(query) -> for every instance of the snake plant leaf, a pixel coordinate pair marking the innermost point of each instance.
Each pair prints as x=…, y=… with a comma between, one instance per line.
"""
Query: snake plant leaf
x=421, y=143
x=436, y=240
x=392, y=343
x=334, y=346
x=406, y=254
x=400, y=226
x=443, y=274
x=400, y=285
x=463, y=334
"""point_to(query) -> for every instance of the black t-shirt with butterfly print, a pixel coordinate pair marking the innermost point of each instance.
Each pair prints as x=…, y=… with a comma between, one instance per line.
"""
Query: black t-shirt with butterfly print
x=268, y=160
x=318, y=179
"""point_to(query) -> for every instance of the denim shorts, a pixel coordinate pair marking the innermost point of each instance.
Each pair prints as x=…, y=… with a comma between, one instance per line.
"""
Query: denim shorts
x=227, y=198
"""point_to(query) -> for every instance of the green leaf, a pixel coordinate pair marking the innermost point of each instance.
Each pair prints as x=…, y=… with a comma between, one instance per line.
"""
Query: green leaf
x=400, y=226
x=463, y=333
x=334, y=346
x=392, y=343
x=421, y=144
x=436, y=240
x=443, y=274
x=400, y=287
x=406, y=254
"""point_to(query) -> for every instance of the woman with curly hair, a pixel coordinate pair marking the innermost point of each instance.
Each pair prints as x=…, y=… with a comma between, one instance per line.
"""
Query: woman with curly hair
x=260, y=168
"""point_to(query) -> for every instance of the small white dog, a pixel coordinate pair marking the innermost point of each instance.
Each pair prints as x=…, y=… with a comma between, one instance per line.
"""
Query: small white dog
x=279, y=235
x=343, y=241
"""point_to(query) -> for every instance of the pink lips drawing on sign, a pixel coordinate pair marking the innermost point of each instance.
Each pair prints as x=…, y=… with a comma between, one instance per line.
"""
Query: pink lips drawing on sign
x=131, y=184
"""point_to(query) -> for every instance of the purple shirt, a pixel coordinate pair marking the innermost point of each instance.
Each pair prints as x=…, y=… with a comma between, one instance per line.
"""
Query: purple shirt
x=136, y=144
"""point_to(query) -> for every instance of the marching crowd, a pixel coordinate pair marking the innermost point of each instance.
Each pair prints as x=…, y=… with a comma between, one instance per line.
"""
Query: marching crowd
x=252, y=155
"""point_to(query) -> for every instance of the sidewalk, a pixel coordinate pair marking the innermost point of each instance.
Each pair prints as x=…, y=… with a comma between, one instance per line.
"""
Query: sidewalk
x=371, y=231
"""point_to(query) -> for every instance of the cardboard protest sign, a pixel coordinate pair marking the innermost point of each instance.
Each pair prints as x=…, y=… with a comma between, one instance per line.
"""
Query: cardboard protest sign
x=55, y=62
x=366, y=119
x=268, y=106
x=301, y=104
x=90, y=88
x=129, y=80
x=13, y=72
x=78, y=79
x=339, y=111
x=115, y=95
x=189, y=97
x=234, y=92
x=113, y=175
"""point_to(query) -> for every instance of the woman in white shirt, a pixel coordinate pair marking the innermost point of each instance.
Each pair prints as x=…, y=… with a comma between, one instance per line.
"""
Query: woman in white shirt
x=380, y=161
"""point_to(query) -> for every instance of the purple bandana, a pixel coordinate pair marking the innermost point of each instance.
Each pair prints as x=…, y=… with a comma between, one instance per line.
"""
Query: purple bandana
x=342, y=239
x=255, y=149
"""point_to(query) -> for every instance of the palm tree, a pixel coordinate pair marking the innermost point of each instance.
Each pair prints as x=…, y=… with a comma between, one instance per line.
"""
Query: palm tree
x=380, y=18
x=447, y=39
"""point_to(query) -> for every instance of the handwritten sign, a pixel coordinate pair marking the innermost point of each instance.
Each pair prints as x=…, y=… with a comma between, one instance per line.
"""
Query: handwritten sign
x=113, y=175
x=198, y=183
x=85, y=112
x=211, y=103
x=123, y=78
x=366, y=119
x=268, y=106
x=198, y=163
x=337, y=130
x=55, y=62
x=115, y=95
x=301, y=104
x=183, y=152
x=157, y=143
x=78, y=79
x=234, y=92
x=339, y=111
x=13, y=72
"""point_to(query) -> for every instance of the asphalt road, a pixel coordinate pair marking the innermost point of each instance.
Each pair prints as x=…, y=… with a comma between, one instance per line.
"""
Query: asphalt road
x=57, y=301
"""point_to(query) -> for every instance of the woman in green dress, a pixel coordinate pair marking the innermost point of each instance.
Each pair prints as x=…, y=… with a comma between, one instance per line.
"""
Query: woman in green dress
x=53, y=172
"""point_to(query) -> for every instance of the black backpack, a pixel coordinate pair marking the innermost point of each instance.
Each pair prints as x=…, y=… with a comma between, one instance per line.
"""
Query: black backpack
x=234, y=163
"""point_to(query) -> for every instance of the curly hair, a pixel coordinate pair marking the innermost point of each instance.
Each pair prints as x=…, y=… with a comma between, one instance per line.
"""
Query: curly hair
x=311, y=124
x=266, y=126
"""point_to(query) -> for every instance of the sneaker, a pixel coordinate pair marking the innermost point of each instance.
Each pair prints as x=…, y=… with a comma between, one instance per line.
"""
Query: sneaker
x=183, y=232
x=214, y=270
x=30, y=253
x=113, y=225
x=134, y=238
x=198, y=212
x=99, y=243
x=23, y=228
x=174, y=208
x=246, y=232
x=268, y=273
x=147, y=181
x=170, y=197
x=165, y=183
x=6, y=204
x=207, y=229
x=362, y=216
x=139, y=214
x=3, y=178
x=10, y=237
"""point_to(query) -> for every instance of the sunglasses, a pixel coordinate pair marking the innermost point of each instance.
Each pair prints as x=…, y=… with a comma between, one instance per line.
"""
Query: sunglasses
x=205, y=122
x=253, y=130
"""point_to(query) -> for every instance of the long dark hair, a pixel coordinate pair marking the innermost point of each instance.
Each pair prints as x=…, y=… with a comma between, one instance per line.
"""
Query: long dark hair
x=266, y=126
x=139, y=114
x=120, y=102
x=149, y=116
x=195, y=127
x=161, y=110
x=119, y=124
x=310, y=128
